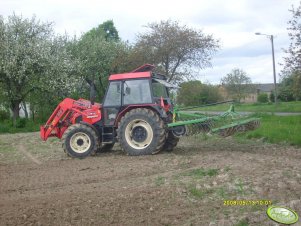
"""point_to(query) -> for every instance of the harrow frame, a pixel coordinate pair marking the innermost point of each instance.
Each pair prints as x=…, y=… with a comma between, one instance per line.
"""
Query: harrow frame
x=225, y=124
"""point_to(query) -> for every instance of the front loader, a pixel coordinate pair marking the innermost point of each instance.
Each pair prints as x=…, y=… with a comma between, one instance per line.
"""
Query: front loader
x=136, y=112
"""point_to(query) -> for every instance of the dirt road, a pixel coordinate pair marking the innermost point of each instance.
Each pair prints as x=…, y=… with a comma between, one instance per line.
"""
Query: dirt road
x=39, y=185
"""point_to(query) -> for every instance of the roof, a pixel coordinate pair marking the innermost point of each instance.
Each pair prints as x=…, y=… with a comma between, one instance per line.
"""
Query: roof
x=144, y=71
x=267, y=87
x=124, y=76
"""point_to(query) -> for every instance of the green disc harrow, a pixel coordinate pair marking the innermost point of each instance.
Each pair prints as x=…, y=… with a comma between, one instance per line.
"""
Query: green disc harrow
x=225, y=124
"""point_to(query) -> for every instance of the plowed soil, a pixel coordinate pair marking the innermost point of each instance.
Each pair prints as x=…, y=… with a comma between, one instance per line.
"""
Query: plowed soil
x=40, y=185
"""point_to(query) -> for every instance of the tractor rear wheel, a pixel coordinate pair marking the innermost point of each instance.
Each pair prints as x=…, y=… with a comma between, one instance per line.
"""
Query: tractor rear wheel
x=171, y=142
x=79, y=141
x=141, y=132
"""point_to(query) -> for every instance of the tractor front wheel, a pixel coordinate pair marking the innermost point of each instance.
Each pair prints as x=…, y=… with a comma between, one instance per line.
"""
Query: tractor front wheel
x=141, y=132
x=79, y=141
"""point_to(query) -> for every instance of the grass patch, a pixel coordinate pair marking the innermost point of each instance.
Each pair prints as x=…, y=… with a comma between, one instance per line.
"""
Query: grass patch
x=160, y=181
x=243, y=222
x=201, y=172
x=240, y=187
x=7, y=149
x=294, y=106
x=222, y=192
x=23, y=125
x=9, y=154
x=197, y=193
x=227, y=169
x=278, y=129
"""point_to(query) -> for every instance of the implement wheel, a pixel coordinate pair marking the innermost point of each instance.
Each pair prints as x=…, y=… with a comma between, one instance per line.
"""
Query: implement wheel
x=141, y=132
x=79, y=141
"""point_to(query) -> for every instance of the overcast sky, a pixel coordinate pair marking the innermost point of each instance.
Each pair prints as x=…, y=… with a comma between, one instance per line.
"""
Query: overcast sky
x=233, y=22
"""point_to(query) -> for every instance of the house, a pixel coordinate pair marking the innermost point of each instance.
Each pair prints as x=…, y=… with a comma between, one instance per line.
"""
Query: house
x=258, y=89
x=251, y=96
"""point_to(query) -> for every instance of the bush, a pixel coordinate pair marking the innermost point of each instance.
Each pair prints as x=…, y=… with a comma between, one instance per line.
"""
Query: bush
x=4, y=115
x=195, y=93
x=285, y=94
x=272, y=97
x=21, y=123
x=263, y=98
x=4, y=127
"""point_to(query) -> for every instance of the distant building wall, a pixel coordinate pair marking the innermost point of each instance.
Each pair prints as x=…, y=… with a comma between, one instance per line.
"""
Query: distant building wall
x=251, y=97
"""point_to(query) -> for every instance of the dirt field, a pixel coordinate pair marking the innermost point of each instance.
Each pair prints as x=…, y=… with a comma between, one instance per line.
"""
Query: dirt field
x=39, y=185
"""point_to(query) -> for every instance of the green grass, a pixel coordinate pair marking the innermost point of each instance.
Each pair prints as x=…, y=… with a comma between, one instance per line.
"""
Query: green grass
x=199, y=173
x=23, y=125
x=278, y=129
x=294, y=106
x=197, y=193
x=159, y=181
x=223, y=193
x=243, y=222
x=240, y=187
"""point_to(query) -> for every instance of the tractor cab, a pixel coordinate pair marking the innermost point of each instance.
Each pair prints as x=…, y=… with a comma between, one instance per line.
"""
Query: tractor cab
x=139, y=88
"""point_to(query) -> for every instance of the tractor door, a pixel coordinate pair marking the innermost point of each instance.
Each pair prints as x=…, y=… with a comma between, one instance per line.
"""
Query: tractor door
x=112, y=103
x=136, y=92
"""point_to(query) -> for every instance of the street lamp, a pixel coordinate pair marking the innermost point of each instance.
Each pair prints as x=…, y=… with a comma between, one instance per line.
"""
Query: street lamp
x=271, y=37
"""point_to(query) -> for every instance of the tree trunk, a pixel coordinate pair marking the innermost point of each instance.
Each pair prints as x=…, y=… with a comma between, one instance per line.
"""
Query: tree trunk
x=103, y=90
x=24, y=107
x=16, y=111
x=32, y=111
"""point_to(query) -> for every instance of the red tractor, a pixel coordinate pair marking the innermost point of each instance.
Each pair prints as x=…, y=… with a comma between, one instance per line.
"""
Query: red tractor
x=135, y=112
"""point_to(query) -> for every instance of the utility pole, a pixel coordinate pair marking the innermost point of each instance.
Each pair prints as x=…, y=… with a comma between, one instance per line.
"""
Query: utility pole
x=271, y=37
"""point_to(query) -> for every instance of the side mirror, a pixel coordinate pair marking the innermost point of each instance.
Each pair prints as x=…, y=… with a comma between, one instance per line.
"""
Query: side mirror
x=127, y=90
x=92, y=93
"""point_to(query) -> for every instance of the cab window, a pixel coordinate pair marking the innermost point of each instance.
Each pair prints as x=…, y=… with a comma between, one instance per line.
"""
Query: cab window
x=159, y=89
x=136, y=92
x=113, y=97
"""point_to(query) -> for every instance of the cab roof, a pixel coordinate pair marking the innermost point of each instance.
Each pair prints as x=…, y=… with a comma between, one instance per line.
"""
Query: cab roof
x=144, y=71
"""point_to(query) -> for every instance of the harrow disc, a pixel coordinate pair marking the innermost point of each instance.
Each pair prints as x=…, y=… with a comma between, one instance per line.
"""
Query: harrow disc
x=239, y=127
x=227, y=131
x=205, y=127
x=253, y=125
x=197, y=128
